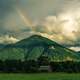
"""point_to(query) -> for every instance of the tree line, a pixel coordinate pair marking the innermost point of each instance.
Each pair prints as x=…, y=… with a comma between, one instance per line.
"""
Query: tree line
x=33, y=66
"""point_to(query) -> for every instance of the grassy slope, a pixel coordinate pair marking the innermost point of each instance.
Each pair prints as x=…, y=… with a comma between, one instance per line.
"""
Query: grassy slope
x=40, y=76
x=61, y=52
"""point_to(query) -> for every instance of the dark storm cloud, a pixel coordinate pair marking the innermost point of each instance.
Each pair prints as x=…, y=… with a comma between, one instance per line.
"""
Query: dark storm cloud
x=6, y=6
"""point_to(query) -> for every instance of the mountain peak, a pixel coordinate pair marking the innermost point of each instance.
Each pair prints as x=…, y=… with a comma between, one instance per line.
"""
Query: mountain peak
x=36, y=35
x=36, y=39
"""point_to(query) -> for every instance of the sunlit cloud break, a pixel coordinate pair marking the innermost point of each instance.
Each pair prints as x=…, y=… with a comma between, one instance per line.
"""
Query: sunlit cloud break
x=61, y=28
x=25, y=19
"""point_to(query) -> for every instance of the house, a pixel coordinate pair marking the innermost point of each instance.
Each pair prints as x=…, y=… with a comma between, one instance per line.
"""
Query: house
x=45, y=68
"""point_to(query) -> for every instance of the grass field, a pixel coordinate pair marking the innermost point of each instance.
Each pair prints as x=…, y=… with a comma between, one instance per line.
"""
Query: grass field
x=40, y=76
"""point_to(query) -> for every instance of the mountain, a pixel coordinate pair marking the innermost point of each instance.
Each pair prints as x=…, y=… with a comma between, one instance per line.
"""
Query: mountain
x=36, y=46
x=78, y=53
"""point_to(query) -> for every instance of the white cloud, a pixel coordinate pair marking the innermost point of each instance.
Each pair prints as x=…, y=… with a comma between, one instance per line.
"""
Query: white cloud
x=62, y=28
x=75, y=48
x=8, y=39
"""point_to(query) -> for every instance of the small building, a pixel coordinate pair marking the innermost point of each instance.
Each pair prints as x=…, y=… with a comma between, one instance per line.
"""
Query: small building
x=45, y=68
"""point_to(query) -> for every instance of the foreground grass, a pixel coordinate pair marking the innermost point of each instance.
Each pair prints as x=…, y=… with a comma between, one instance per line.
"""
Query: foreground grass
x=40, y=76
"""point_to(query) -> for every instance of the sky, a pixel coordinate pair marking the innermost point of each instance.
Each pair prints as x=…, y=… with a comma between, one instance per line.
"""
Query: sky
x=58, y=20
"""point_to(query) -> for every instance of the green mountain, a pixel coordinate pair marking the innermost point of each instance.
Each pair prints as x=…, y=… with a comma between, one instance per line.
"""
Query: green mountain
x=36, y=46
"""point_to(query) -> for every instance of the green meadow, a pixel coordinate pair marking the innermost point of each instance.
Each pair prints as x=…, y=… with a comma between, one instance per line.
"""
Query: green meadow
x=40, y=76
